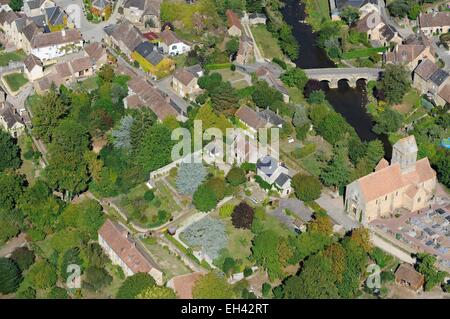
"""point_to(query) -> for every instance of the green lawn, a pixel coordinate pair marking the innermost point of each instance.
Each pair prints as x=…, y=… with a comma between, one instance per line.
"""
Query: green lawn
x=6, y=57
x=362, y=53
x=267, y=44
x=15, y=81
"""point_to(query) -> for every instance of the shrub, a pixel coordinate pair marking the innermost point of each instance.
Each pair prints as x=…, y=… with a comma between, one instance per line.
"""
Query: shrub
x=218, y=186
x=58, y=293
x=248, y=272
x=280, y=62
x=149, y=196
x=307, y=188
x=262, y=183
x=233, y=67
x=23, y=257
x=248, y=167
x=42, y=275
x=266, y=287
x=236, y=176
x=226, y=210
x=229, y=264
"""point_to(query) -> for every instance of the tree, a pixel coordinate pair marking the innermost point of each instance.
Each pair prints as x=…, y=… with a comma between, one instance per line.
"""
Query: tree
x=242, y=216
x=157, y=293
x=16, y=5
x=204, y=198
x=10, y=152
x=374, y=152
x=217, y=184
x=229, y=264
x=96, y=278
x=337, y=172
x=300, y=117
x=70, y=257
x=190, y=176
x=265, y=96
x=134, y=285
x=426, y=267
x=336, y=253
x=361, y=237
x=58, y=293
x=442, y=163
x=307, y=188
x=122, y=134
x=232, y=46
x=86, y=216
x=11, y=186
x=349, y=14
x=224, y=97
x=48, y=111
x=321, y=224
x=399, y=8
x=388, y=122
x=265, y=253
x=395, y=82
x=42, y=275
x=287, y=41
x=254, y=5
x=316, y=280
x=23, y=257
x=236, y=176
x=155, y=149
x=212, y=286
x=295, y=77
x=10, y=276
x=316, y=97
x=67, y=170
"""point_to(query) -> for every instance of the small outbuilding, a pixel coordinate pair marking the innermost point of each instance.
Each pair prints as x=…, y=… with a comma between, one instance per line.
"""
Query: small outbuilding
x=407, y=276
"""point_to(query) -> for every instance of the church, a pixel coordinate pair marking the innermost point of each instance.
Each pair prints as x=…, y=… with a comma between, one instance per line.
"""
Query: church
x=407, y=184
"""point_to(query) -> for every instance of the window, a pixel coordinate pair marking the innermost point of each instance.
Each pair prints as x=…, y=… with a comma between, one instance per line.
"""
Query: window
x=385, y=198
x=419, y=199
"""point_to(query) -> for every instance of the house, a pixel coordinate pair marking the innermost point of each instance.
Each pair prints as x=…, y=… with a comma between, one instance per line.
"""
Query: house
x=271, y=117
x=152, y=61
x=434, y=23
x=124, y=251
x=410, y=55
x=55, y=18
x=33, y=68
x=65, y=73
x=378, y=31
x=429, y=79
x=101, y=8
x=171, y=44
x=143, y=13
x=4, y=5
x=34, y=8
x=143, y=94
x=407, y=183
x=265, y=74
x=336, y=6
x=246, y=51
x=184, y=284
x=407, y=276
x=234, y=24
x=124, y=37
x=6, y=20
x=10, y=121
x=48, y=46
x=251, y=120
x=184, y=81
x=27, y=35
x=275, y=174
x=97, y=53
x=257, y=18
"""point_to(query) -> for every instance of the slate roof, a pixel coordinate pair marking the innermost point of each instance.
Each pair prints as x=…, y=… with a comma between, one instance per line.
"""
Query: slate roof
x=267, y=164
x=282, y=179
x=8, y=115
x=55, y=15
x=35, y=4
x=439, y=77
x=250, y=117
x=126, y=33
x=271, y=117
x=149, y=52
x=31, y=61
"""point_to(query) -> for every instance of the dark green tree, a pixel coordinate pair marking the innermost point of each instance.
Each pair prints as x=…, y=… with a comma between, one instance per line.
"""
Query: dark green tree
x=395, y=82
x=134, y=285
x=307, y=188
x=10, y=152
x=10, y=276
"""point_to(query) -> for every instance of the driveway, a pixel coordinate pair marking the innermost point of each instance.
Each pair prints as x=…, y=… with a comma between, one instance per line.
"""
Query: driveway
x=335, y=209
x=90, y=31
x=12, y=244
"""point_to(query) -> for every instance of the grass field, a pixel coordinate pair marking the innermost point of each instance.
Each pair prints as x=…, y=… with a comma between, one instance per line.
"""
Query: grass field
x=6, y=57
x=15, y=81
x=361, y=53
x=267, y=44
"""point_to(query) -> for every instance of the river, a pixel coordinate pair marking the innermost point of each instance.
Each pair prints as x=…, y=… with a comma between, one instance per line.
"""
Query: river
x=349, y=102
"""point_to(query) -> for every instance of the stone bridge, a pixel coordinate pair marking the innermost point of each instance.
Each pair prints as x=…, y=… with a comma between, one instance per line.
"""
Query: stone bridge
x=351, y=75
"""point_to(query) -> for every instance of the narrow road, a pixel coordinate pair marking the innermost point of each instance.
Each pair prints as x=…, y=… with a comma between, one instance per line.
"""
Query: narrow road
x=258, y=56
x=12, y=244
x=391, y=249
